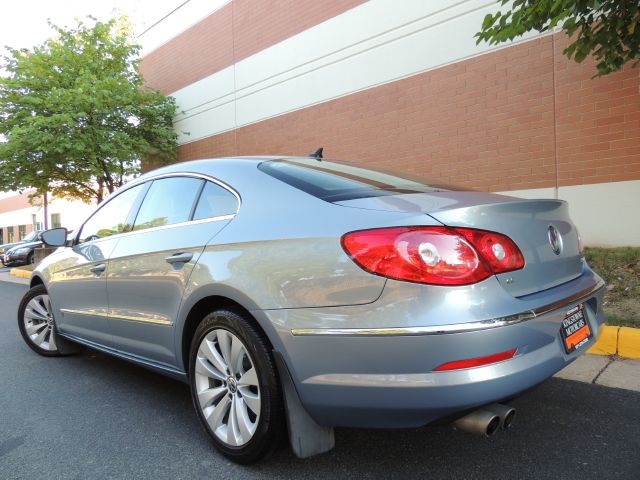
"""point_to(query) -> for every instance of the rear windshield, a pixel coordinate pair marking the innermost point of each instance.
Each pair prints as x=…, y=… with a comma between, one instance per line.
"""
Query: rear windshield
x=334, y=182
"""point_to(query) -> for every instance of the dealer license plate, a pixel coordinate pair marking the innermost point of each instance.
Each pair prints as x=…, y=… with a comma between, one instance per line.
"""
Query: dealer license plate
x=575, y=329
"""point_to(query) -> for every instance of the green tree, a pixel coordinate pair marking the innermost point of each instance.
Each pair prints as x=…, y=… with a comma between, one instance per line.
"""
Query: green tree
x=75, y=116
x=606, y=29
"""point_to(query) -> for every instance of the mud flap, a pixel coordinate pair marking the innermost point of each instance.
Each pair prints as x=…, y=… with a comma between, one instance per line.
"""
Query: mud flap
x=66, y=347
x=306, y=437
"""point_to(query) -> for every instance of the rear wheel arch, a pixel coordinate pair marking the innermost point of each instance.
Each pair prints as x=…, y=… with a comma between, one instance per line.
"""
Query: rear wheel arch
x=35, y=280
x=200, y=310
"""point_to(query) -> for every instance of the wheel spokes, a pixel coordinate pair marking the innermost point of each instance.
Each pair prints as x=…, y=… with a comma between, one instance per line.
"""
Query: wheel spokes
x=34, y=314
x=210, y=395
x=236, y=355
x=247, y=428
x=227, y=387
x=34, y=328
x=204, y=367
x=224, y=341
x=208, y=349
x=218, y=412
x=248, y=379
x=39, y=339
x=38, y=305
x=252, y=400
x=38, y=323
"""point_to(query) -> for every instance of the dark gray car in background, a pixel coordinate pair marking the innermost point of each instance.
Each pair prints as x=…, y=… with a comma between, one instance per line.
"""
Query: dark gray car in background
x=22, y=251
x=300, y=294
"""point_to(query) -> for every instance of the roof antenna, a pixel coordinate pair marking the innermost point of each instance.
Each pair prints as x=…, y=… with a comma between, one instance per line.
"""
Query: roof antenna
x=317, y=154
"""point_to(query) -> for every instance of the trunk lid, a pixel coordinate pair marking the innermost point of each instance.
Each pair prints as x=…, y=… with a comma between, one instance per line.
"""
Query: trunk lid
x=526, y=222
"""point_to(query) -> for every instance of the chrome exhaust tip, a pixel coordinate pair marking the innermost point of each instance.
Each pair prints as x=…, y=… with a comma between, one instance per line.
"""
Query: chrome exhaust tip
x=506, y=413
x=480, y=422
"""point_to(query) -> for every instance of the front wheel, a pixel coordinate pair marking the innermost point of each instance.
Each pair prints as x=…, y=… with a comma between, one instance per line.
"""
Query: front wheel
x=235, y=387
x=36, y=322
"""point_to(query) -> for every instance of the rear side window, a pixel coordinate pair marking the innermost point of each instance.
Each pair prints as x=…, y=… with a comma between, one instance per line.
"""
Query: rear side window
x=168, y=201
x=215, y=201
x=111, y=218
x=334, y=182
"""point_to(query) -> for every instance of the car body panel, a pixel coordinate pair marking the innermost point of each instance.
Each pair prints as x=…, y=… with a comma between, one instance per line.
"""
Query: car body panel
x=145, y=291
x=393, y=374
x=78, y=295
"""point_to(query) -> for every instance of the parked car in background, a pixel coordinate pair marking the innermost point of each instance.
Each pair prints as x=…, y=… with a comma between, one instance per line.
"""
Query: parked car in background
x=31, y=238
x=323, y=292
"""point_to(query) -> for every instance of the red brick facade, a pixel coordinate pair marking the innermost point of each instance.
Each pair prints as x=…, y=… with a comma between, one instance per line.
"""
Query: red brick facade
x=517, y=118
x=237, y=30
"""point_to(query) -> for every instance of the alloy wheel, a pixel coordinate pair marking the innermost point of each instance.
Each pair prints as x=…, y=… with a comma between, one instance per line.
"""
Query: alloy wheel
x=39, y=323
x=227, y=387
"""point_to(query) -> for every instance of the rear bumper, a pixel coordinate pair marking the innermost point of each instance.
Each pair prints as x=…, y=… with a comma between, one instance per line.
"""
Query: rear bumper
x=369, y=379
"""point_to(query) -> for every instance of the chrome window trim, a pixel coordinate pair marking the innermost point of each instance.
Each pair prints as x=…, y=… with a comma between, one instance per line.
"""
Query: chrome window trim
x=161, y=227
x=457, y=327
x=142, y=181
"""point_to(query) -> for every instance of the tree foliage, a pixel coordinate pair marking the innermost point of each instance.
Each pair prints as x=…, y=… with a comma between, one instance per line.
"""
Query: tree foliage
x=606, y=29
x=75, y=115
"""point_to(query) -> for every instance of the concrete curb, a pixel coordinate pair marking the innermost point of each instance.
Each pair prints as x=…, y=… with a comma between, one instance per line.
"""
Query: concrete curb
x=18, y=272
x=621, y=341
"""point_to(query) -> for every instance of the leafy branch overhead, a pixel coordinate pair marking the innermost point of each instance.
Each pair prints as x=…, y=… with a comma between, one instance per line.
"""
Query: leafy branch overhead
x=75, y=115
x=606, y=29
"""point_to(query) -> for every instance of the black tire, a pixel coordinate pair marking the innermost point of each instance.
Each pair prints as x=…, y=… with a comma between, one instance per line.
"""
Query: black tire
x=36, y=291
x=270, y=428
x=30, y=258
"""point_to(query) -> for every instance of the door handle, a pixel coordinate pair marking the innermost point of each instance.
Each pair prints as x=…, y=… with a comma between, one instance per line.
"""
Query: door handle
x=98, y=269
x=182, y=257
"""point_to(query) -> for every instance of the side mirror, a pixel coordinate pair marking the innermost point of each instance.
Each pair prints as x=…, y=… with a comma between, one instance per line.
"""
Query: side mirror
x=56, y=237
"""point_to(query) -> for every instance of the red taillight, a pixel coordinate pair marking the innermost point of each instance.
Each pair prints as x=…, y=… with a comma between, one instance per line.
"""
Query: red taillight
x=434, y=255
x=477, y=362
x=498, y=250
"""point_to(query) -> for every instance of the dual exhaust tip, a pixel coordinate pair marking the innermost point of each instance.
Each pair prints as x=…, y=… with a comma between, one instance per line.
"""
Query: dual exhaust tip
x=487, y=420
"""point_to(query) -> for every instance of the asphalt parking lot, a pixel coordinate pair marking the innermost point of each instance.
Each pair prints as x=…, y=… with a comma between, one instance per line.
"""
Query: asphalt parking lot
x=92, y=416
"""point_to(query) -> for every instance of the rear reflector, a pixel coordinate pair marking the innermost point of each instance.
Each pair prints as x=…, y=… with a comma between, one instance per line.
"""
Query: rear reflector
x=477, y=362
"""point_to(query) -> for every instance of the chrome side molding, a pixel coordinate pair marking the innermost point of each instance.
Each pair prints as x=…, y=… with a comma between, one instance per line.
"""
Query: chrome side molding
x=456, y=327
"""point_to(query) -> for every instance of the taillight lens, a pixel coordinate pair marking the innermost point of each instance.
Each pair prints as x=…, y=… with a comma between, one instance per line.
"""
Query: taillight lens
x=434, y=255
x=502, y=254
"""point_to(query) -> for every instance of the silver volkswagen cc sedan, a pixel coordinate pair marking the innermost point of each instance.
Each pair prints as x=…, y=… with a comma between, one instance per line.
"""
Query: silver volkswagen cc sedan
x=295, y=295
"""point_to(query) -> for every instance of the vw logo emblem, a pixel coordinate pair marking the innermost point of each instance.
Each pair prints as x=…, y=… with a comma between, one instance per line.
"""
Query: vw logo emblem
x=555, y=239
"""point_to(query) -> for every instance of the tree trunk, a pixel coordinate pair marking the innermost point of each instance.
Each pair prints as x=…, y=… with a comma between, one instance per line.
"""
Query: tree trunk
x=45, y=200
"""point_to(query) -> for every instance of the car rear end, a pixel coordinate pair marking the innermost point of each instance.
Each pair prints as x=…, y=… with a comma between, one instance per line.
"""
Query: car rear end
x=486, y=296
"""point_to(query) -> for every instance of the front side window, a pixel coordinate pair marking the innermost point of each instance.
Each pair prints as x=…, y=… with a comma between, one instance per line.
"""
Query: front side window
x=215, y=201
x=111, y=218
x=168, y=201
x=32, y=237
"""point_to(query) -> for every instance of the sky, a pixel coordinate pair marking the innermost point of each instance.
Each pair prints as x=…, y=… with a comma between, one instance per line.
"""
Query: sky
x=23, y=23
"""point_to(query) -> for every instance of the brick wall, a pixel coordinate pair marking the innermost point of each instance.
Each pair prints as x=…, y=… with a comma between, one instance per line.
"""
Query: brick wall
x=235, y=31
x=517, y=118
x=598, y=123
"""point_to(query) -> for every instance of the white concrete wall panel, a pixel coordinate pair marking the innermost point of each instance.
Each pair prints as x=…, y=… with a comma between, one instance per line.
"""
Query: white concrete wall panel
x=375, y=43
